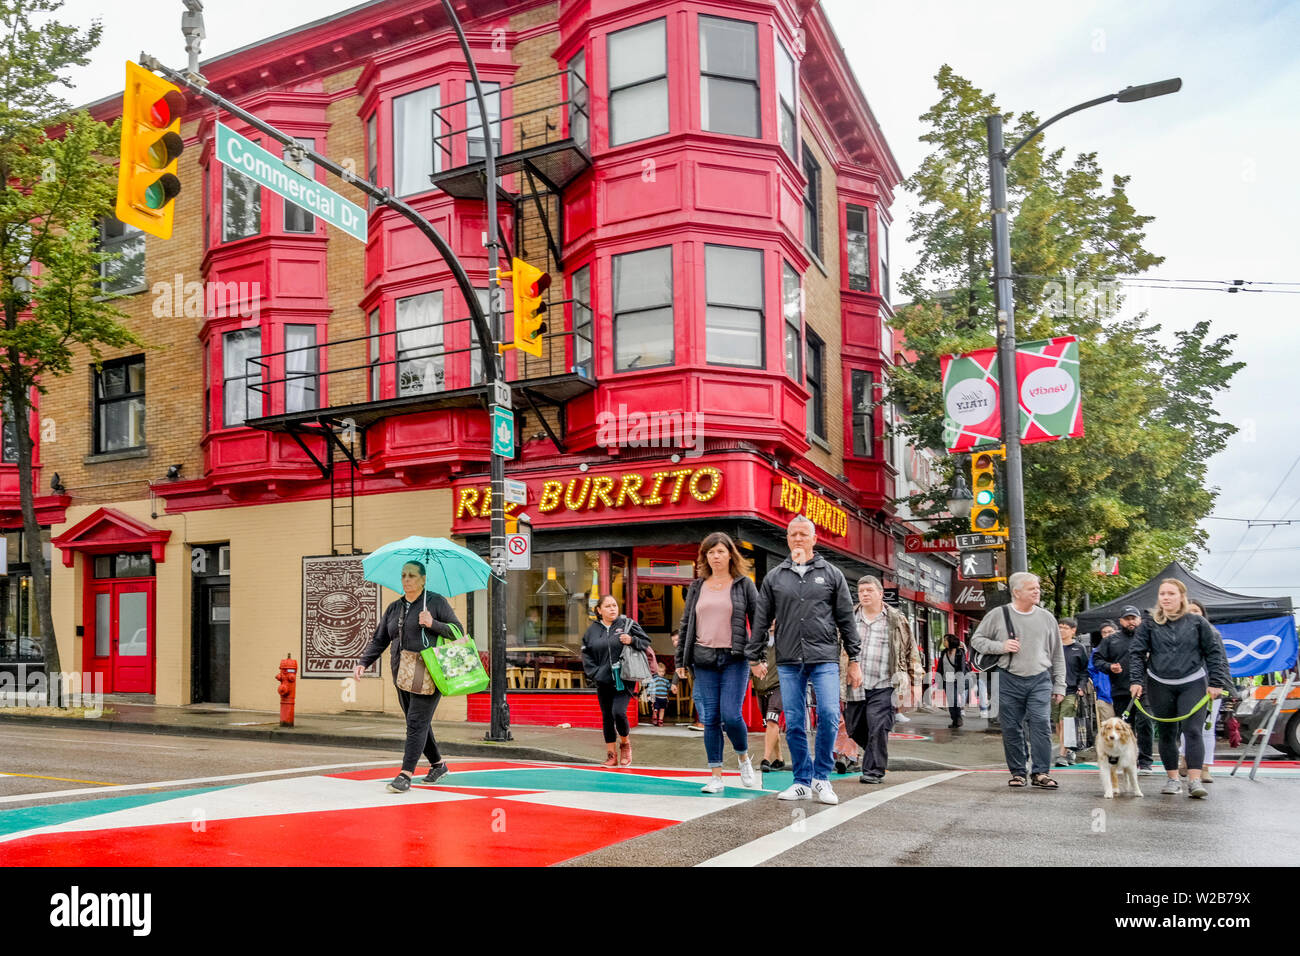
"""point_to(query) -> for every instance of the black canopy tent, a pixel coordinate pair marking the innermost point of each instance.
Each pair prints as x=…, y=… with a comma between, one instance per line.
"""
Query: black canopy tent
x=1221, y=606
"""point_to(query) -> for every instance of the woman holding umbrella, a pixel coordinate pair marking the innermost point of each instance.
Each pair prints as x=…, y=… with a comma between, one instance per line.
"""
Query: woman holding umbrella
x=401, y=627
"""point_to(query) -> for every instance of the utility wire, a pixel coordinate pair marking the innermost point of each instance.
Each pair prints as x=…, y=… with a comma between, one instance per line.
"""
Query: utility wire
x=1280, y=484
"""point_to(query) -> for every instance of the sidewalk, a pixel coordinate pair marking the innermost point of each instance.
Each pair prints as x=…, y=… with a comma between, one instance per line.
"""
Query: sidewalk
x=934, y=748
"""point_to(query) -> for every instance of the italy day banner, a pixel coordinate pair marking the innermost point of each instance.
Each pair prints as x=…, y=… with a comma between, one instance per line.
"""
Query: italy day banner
x=972, y=413
x=1047, y=380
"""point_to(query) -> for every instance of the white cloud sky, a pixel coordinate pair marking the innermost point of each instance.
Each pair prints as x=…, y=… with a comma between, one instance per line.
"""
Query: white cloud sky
x=1214, y=164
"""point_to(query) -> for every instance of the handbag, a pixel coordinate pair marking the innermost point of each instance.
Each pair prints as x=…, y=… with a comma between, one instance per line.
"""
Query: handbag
x=455, y=665
x=991, y=662
x=636, y=666
x=412, y=674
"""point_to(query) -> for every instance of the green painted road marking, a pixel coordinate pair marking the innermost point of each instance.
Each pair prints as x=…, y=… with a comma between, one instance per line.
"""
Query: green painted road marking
x=32, y=818
x=600, y=781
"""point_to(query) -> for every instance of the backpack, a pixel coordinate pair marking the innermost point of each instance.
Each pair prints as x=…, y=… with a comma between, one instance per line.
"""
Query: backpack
x=988, y=663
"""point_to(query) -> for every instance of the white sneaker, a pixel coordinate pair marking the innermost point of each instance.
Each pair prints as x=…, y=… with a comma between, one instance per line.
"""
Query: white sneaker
x=824, y=793
x=902, y=719
x=796, y=792
x=747, y=778
x=715, y=785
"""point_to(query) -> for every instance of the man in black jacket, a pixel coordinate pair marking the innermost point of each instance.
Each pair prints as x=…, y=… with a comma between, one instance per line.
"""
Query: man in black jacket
x=809, y=600
x=1112, y=656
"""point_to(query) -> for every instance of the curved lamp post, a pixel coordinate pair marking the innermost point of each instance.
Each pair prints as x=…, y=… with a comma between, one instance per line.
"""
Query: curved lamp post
x=999, y=159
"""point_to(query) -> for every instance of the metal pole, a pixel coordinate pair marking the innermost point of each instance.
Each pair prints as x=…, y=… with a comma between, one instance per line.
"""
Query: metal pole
x=1017, y=550
x=499, y=728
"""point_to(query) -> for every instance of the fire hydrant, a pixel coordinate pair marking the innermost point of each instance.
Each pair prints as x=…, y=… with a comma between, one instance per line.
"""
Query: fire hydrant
x=288, y=678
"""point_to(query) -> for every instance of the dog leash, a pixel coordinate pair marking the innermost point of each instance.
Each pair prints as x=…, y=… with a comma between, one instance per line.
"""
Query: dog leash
x=1137, y=702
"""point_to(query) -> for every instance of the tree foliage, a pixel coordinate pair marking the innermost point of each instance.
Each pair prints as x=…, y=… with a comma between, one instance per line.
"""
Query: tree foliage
x=59, y=183
x=1134, y=485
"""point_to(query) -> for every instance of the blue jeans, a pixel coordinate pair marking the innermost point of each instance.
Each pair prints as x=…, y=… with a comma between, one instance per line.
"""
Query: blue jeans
x=1029, y=700
x=719, y=695
x=825, y=679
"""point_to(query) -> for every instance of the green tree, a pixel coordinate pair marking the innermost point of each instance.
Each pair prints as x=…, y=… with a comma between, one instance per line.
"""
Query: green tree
x=1133, y=485
x=58, y=186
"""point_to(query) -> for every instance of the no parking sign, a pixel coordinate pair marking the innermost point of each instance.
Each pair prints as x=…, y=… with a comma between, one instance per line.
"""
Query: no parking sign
x=519, y=552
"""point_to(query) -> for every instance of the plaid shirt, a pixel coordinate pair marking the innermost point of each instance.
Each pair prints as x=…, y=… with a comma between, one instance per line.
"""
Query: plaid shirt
x=873, y=658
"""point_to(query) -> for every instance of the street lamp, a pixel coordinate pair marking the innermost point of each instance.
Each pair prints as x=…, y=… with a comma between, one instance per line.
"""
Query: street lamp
x=960, y=498
x=999, y=159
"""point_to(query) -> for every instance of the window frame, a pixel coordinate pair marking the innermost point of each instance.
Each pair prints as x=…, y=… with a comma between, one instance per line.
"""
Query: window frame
x=789, y=111
x=375, y=352
x=882, y=252
x=812, y=197
x=434, y=160
x=755, y=81
x=474, y=124
x=579, y=102
x=309, y=170
x=226, y=173
x=613, y=91
x=117, y=244
x=586, y=364
x=295, y=375
x=8, y=427
x=787, y=272
x=863, y=443
x=100, y=403
x=761, y=311
x=857, y=281
x=247, y=379
x=616, y=315
x=438, y=348
x=815, y=383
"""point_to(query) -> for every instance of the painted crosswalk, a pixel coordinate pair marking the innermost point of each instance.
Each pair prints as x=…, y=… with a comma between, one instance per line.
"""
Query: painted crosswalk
x=480, y=813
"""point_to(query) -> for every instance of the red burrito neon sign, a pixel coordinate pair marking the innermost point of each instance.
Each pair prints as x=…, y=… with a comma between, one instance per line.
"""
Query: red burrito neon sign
x=614, y=492
x=790, y=496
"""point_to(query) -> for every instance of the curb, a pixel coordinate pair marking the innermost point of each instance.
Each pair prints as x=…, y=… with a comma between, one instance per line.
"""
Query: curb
x=316, y=738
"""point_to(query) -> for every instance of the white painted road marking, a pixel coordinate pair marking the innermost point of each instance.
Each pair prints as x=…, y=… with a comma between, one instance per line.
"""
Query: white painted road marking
x=774, y=844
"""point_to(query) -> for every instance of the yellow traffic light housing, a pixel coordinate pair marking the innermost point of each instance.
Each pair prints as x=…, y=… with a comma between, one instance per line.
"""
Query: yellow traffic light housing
x=985, y=514
x=529, y=284
x=147, y=183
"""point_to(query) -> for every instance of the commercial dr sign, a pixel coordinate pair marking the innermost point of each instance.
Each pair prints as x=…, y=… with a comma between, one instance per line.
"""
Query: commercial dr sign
x=270, y=171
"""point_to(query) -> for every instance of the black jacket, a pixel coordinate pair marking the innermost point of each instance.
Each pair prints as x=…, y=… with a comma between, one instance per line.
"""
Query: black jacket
x=948, y=666
x=813, y=613
x=601, y=647
x=386, y=632
x=1076, y=668
x=1115, y=650
x=745, y=642
x=1178, y=648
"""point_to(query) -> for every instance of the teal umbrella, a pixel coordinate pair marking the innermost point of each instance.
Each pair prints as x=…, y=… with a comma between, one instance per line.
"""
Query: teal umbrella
x=449, y=568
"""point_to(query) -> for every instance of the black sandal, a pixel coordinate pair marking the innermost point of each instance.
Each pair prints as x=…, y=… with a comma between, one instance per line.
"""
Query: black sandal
x=1017, y=781
x=1043, y=781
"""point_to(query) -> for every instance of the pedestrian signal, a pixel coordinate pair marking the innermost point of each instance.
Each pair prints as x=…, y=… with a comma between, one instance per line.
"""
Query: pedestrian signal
x=985, y=514
x=147, y=184
x=529, y=284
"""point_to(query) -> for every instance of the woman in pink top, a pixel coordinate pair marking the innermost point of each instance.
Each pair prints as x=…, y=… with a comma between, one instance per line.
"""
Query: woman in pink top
x=717, y=645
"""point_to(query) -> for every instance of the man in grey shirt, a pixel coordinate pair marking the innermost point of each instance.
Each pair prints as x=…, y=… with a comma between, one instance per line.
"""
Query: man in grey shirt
x=1031, y=676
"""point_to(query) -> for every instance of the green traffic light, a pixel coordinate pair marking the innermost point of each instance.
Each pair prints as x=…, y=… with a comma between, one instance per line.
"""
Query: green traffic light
x=984, y=498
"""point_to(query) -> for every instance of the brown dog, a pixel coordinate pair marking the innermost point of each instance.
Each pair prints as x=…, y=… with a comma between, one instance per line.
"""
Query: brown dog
x=1117, y=758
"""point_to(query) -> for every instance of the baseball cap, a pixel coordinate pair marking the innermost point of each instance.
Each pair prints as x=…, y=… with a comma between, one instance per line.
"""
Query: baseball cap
x=1131, y=611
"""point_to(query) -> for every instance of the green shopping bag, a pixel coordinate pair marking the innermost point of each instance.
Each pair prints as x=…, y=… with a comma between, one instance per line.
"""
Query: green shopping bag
x=455, y=665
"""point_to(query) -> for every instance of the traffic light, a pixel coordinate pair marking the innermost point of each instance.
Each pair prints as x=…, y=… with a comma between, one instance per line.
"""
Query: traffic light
x=147, y=182
x=529, y=284
x=985, y=515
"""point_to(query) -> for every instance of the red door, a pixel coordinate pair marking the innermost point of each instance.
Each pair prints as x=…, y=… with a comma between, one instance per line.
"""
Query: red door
x=122, y=622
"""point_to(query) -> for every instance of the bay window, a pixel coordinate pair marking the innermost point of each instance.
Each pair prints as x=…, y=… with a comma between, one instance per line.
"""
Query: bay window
x=792, y=309
x=858, y=251
x=414, y=156
x=241, y=379
x=734, y=306
x=643, y=308
x=729, y=77
x=420, y=356
x=638, y=83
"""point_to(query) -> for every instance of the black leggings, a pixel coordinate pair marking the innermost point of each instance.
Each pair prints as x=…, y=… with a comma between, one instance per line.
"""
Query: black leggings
x=1174, y=700
x=419, y=710
x=613, y=710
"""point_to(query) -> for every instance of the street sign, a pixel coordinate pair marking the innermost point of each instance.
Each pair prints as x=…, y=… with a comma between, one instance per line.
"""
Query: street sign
x=916, y=544
x=267, y=169
x=501, y=394
x=891, y=596
x=977, y=564
x=519, y=551
x=503, y=432
x=980, y=541
x=516, y=492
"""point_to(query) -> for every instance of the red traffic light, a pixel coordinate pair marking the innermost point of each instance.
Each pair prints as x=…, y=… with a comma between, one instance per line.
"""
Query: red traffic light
x=540, y=285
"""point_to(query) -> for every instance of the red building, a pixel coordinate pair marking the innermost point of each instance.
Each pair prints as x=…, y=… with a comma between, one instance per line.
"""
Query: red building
x=710, y=191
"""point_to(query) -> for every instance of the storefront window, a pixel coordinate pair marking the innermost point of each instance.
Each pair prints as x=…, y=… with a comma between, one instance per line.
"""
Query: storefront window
x=544, y=626
x=21, y=636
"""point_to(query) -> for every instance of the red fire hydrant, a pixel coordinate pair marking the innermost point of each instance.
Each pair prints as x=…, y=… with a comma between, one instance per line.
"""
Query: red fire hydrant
x=288, y=678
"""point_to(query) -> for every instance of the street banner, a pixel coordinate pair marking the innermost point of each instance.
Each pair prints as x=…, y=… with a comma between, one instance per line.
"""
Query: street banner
x=340, y=611
x=972, y=414
x=1047, y=381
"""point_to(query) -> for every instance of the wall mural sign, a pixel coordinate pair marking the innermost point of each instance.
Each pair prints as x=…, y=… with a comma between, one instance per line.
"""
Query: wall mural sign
x=340, y=611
